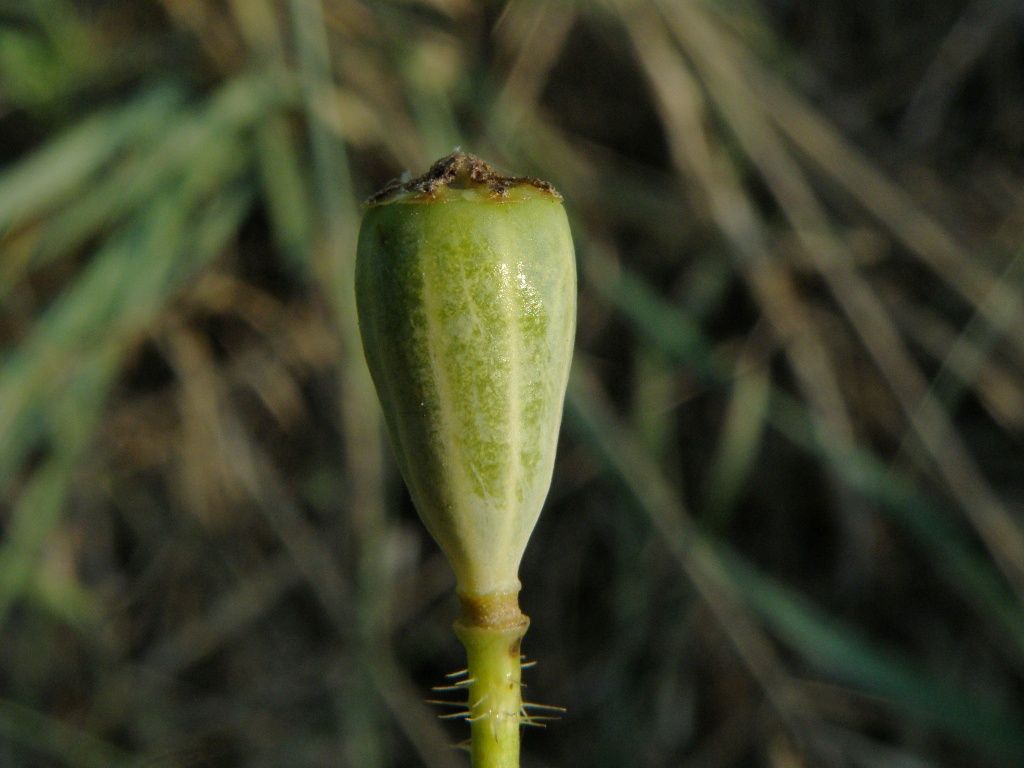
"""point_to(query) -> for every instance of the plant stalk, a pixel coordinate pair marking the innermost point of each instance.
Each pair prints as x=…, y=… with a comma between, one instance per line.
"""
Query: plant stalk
x=491, y=628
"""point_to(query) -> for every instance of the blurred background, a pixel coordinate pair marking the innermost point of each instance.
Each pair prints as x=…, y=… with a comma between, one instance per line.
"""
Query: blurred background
x=785, y=528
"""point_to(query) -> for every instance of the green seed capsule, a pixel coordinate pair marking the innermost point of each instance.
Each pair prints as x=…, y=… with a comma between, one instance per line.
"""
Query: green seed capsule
x=466, y=292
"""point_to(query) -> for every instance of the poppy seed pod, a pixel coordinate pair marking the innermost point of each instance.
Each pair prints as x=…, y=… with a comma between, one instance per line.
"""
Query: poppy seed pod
x=466, y=293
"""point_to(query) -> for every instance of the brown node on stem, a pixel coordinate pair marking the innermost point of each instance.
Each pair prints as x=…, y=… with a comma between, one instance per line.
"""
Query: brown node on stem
x=498, y=610
x=463, y=170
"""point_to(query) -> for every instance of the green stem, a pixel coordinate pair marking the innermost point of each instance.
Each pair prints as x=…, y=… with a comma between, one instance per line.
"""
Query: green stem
x=492, y=628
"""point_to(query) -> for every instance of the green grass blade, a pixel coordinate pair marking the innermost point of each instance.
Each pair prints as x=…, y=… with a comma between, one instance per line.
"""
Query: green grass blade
x=841, y=652
x=664, y=326
x=834, y=650
x=745, y=420
x=45, y=53
x=130, y=186
x=968, y=572
x=130, y=278
x=671, y=330
x=289, y=202
x=65, y=372
x=39, y=506
x=51, y=175
x=46, y=735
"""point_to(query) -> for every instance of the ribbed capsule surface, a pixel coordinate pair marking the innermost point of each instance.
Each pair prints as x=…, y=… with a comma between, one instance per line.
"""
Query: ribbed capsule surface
x=466, y=295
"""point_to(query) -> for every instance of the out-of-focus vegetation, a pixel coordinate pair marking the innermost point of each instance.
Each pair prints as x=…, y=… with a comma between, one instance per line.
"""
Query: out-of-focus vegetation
x=785, y=528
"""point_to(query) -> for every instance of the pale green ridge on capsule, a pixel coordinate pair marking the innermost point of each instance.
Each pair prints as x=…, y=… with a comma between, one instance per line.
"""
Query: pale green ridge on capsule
x=466, y=293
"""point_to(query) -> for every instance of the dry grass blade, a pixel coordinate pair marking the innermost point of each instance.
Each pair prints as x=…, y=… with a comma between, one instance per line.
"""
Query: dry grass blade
x=589, y=412
x=254, y=596
x=966, y=362
x=965, y=43
x=999, y=302
x=811, y=367
x=967, y=571
x=38, y=508
x=404, y=701
x=695, y=153
x=361, y=423
x=836, y=264
x=850, y=656
x=745, y=421
x=536, y=40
